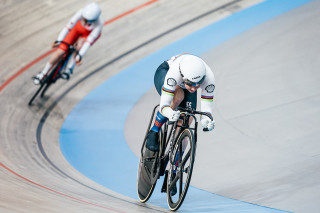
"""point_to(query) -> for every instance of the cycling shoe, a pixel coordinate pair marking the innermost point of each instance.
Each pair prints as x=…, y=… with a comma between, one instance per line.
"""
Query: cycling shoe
x=152, y=142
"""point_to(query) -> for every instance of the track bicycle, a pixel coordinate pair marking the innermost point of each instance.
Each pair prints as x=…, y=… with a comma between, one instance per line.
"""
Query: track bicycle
x=54, y=73
x=174, y=160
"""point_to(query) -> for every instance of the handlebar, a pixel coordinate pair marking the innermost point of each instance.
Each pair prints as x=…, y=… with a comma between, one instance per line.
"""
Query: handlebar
x=71, y=47
x=191, y=111
x=194, y=112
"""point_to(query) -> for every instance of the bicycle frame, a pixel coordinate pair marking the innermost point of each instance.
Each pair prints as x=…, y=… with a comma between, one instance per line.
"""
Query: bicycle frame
x=54, y=73
x=152, y=165
x=187, y=114
x=173, y=132
x=62, y=61
x=165, y=139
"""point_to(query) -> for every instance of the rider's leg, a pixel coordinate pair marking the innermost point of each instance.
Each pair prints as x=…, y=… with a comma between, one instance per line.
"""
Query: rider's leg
x=69, y=68
x=72, y=62
x=53, y=59
x=152, y=138
x=159, y=121
x=152, y=142
x=153, y=135
x=78, y=46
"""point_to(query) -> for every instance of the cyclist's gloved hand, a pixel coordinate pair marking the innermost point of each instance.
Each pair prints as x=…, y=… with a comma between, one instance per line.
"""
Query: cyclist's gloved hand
x=55, y=44
x=207, y=123
x=171, y=114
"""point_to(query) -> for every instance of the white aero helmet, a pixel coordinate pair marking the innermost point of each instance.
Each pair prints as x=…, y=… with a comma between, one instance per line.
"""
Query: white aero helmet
x=91, y=12
x=192, y=70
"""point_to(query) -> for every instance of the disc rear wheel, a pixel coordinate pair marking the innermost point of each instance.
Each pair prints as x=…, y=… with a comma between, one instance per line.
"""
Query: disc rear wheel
x=148, y=173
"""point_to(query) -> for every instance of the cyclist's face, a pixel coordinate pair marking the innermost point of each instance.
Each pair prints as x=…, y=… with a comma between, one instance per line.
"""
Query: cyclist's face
x=86, y=22
x=191, y=89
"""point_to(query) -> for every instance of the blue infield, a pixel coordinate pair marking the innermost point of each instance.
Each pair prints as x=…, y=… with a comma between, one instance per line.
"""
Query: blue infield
x=92, y=137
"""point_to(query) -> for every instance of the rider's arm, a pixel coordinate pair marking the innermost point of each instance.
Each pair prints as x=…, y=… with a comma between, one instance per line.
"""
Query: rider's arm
x=207, y=91
x=207, y=94
x=72, y=22
x=93, y=36
x=171, y=81
x=165, y=109
x=166, y=97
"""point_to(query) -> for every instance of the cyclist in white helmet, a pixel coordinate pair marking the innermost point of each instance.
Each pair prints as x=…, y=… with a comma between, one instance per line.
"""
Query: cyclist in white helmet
x=177, y=81
x=82, y=30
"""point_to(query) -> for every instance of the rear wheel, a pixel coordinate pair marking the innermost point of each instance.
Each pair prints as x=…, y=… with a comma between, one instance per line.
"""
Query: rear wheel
x=148, y=173
x=180, y=170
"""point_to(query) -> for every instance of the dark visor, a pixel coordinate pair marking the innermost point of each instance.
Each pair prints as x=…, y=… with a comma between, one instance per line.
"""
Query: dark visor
x=88, y=21
x=193, y=84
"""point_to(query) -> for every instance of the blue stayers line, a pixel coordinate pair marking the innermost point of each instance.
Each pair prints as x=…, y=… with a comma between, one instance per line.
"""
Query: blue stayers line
x=92, y=137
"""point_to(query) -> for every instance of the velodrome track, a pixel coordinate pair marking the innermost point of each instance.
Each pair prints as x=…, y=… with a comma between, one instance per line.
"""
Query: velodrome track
x=280, y=171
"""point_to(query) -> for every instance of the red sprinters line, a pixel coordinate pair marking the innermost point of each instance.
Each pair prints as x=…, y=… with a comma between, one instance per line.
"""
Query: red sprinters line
x=130, y=11
x=65, y=195
x=25, y=68
x=7, y=82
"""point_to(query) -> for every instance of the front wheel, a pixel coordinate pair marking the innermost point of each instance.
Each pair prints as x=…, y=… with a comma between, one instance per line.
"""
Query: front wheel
x=180, y=170
x=53, y=76
x=43, y=85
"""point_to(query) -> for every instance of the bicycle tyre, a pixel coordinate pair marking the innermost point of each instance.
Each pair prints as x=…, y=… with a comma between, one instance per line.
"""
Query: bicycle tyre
x=45, y=88
x=53, y=76
x=148, y=173
x=145, y=183
x=177, y=170
x=46, y=83
x=36, y=93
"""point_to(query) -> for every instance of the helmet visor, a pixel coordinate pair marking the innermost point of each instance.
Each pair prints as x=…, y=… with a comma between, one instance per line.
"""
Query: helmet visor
x=193, y=84
x=88, y=22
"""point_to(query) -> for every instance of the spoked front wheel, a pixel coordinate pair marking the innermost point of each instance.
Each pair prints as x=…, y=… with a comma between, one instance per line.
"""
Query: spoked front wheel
x=180, y=170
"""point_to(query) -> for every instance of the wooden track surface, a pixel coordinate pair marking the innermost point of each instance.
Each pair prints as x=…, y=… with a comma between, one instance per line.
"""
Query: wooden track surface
x=34, y=176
